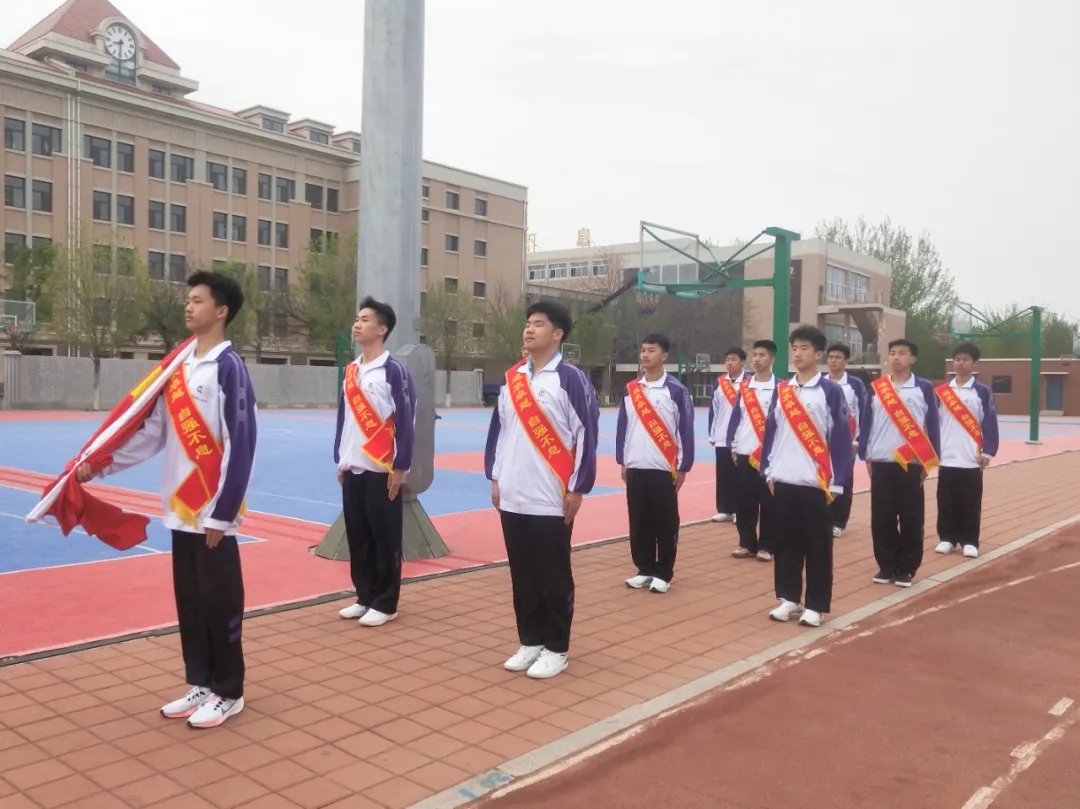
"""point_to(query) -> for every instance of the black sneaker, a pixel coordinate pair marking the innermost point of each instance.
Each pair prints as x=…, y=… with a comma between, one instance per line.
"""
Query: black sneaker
x=903, y=579
x=883, y=577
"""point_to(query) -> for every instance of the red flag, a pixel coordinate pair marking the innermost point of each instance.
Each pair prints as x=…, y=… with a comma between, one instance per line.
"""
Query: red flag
x=70, y=504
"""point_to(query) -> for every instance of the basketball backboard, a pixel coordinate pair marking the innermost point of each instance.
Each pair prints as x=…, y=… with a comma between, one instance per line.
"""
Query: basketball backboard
x=572, y=353
x=18, y=316
x=702, y=362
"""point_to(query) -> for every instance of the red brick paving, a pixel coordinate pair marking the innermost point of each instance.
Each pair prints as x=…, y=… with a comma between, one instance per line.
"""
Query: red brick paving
x=340, y=716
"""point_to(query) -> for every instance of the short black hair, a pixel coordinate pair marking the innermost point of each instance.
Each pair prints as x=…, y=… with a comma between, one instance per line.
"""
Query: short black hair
x=384, y=313
x=840, y=348
x=811, y=334
x=558, y=314
x=657, y=339
x=768, y=345
x=736, y=351
x=970, y=349
x=903, y=342
x=224, y=289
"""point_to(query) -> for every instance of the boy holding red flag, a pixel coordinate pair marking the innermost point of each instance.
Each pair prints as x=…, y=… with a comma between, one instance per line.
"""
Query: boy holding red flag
x=204, y=421
x=900, y=440
x=969, y=441
x=654, y=445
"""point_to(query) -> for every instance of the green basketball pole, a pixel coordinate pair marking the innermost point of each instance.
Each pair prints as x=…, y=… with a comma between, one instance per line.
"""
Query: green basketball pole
x=781, y=284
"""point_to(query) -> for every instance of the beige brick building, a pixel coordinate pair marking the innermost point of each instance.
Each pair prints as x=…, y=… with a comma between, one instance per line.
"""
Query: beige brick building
x=100, y=131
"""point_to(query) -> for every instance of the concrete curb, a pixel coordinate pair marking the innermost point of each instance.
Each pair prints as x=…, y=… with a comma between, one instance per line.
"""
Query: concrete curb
x=626, y=722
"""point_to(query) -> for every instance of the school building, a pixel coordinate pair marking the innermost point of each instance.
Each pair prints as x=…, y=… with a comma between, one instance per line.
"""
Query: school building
x=1010, y=380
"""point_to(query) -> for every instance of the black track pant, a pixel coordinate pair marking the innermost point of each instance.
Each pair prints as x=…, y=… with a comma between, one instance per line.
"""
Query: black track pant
x=373, y=526
x=538, y=549
x=726, y=482
x=653, y=504
x=754, y=510
x=803, y=538
x=959, y=505
x=897, y=516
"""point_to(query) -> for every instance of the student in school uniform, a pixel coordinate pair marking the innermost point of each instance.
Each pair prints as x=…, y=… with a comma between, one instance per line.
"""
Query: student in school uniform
x=806, y=458
x=723, y=405
x=900, y=440
x=204, y=422
x=746, y=431
x=855, y=392
x=541, y=460
x=654, y=445
x=969, y=441
x=373, y=450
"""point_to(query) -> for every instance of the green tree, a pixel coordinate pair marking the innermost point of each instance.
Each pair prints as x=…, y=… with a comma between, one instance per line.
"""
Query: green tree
x=27, y=280
x=263, y=321
x=596, y=335
x=1014, y=341
x=323, y=302
x=98, y=297
x=164, y=311
x=504, y=324
x=446, y=321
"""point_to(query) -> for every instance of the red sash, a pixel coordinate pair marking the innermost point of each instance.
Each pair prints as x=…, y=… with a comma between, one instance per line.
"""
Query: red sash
x=654, y=425
x=379, y=434
x=757, y=419
x=962, y=413
x=917, y=446
x=807, y=433
x=729, y=390
x=199, y=487
x=538, y=427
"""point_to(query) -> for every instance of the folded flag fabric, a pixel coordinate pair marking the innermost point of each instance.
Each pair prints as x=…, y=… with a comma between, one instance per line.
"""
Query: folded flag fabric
x=70, y=504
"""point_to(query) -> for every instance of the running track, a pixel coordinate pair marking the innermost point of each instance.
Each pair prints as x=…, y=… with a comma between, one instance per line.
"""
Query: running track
x=963, y=698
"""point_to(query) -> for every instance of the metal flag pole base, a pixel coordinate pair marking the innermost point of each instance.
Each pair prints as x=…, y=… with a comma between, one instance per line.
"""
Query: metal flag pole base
x=420, y=538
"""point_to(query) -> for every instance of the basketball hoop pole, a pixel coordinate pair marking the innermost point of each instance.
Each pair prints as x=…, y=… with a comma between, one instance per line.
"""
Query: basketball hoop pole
x=781, y=284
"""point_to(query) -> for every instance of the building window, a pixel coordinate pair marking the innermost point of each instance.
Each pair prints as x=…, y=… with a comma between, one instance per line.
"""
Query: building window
x=860, y=288
x=479, y=289
x=125, y=210
x=125, y=157
x=157, y=215
x=355, y=145
x=318, y=137
x=14, y=191
x=239, y=228
x=425, y=191
x=557, y=270
x=478, y=331
x=221, y=225
x=155, y=263
x=451, y=243
x=157, y=164
x=315, y=240
x=264, y=232
x=835, y=283
x=332, y=200
x=42, y=241
x=273, y=125
x=479, y=248
x=423, y=256
x=453, y=200
x=125, y=261
x=15, y=134
x=178, y=268
x=182, y=168
x=314, y=195
x=537, y=272
x=45, y=140
x=98, y=150
x=599, y=268
x=217, y=174
x=281, y=230
x=13, y=242
x=425, y=215
x=178, y=218
x=480, y=207
x=286, y=189
x=239, y=181
x=265, y=185
x=102, y=259
x=263, y=278
x=450, y=285
x=102, y=206
x=579, y=269
x=1001, y=384
x=281, y=278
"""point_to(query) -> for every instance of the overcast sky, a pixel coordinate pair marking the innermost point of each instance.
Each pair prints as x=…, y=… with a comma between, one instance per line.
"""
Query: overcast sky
x=956, y=118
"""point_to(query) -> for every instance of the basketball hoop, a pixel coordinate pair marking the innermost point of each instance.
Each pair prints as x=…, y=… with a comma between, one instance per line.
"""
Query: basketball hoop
x=647, y=302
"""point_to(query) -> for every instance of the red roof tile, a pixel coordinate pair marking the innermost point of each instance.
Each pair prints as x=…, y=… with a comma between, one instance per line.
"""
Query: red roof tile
x=79, y=18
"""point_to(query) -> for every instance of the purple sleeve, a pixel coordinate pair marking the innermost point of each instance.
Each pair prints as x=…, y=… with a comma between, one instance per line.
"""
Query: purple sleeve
x=686, y=425
x=866, y=420
x=620, y=427
x=771, y=419
x=238, y=410
x=933, y=415
x=991, y=435
x=585, y=407
x=840, y=437
x=736, y=417
x=404, y=396
x=340, y=425
x=492, y=440
x=859, y=387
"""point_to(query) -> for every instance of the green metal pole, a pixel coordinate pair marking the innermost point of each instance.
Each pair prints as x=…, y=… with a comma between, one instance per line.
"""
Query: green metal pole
x=1036, y=371
x=340, y=359
x=781, y=301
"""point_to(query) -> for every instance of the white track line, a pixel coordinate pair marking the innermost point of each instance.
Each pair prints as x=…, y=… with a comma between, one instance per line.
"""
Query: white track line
x=1061, y=707
x=1025, y=755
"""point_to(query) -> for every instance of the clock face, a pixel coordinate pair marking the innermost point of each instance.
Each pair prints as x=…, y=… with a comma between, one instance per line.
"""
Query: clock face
x=120, y=43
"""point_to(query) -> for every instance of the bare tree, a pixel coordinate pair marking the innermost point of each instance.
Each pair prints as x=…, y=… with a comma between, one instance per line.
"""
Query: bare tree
x=447, y=319
x=503, y=324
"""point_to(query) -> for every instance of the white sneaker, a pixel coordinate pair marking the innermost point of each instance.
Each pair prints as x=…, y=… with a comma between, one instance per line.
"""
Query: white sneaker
x=837, y=531
x=547, y=665
x=810, y=618
x=638, y=582
x=971, y=552
x=786, y=611
x=944, y=547
x=187, y=704
x=523, y=658
x=376, y=618
x=659, y=585
x=723, y=517
x=215, y=711
x=353, y=611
